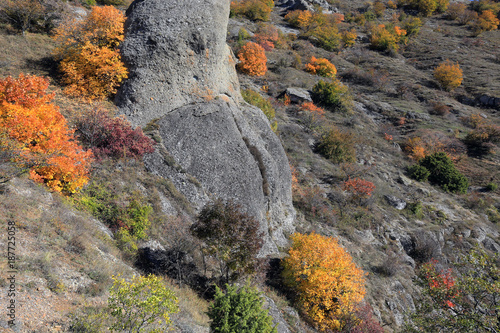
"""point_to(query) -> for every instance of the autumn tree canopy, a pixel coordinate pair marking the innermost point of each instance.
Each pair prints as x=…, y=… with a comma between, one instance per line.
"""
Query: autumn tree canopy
x=40, y=135
x=328, y=283
x=88, y=50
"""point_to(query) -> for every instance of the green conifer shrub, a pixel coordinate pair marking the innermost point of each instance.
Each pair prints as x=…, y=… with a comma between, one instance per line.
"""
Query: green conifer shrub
x=239, y=311
x=443, y=173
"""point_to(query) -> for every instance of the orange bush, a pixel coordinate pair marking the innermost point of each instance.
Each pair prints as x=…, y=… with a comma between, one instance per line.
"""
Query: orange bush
x=88, y=49
x=321, y=67
x=27, y=117
x=252, y=59
x=299, y=18
x=487, y=21
x=328, y=284
x=449, y=75
x=316, y=111
x=387, y=38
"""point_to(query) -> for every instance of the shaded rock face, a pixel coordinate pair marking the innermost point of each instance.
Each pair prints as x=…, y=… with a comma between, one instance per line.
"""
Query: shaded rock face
x=211, y=147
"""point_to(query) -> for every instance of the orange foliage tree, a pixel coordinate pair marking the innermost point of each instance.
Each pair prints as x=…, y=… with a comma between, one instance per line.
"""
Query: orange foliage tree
x=328, y=284
x=88, y=49
x=487, y=21
x=449, y=75
x=26, y=116
x=321, y=67
x=252, y=59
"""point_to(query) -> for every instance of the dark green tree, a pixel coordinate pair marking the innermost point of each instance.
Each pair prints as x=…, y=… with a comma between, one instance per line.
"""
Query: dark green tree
x=229, y=236
x=443, y=173
x=239, y=311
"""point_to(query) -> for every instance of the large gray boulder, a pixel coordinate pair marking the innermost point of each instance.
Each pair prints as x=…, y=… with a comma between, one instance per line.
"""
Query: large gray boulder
x=176, y=53
x=213, y=144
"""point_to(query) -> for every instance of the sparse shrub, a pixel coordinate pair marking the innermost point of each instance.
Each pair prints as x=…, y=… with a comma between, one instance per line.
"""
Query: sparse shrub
x=391, y=4
x=440, y=109
x=112, y=137
x=141, y=304
x=333, y=95
x=378, y=8
x=89, y=52
x=443, y=173
x=266, y=36
x=363, y=321
x=449, y=75
x=426, y=7
x=31, y=15
x=338, y=146
x=321, y=67
x=467, y=17
x=254, y=98
x=315, y=112
x=418, y=173
x=230, y=237
x=252, y=60
x=243, y=36
x=480, y=141
x=412, y=26
x=456, y=10
x=328, y=283
x=256, y=10
x=240, y=310
x=348, y=37
x=416, y=208
x=128, y=211
x=39, y=137
x=487, y=21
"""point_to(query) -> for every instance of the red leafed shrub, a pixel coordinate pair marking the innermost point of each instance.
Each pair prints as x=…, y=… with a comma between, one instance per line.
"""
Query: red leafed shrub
x=112, y=137
x=441, y=285
x=358, y=187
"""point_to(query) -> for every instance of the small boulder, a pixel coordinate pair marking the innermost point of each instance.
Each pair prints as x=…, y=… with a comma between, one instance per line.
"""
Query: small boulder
x=397, y=203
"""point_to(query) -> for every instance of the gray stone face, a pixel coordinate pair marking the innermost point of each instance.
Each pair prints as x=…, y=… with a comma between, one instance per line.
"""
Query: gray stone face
x=176, y=53
x=212, y=146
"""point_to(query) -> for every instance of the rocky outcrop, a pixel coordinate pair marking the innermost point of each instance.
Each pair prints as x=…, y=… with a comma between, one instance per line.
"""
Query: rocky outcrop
x=310, y=5
x=176, y=53
x=213, y=144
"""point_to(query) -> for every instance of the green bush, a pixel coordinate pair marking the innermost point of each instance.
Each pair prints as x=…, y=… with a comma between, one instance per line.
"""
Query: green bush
x=254, y=98
x=333, y=95
x=418, y=173
x=338, y=146
x=491, y=187
x=239, y=311
x=326, y=36
x=443, y=173
x=106, y=205
x=416, y=209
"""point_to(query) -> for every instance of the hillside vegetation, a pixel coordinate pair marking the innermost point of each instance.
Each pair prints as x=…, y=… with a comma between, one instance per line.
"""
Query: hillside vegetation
x=388, y=112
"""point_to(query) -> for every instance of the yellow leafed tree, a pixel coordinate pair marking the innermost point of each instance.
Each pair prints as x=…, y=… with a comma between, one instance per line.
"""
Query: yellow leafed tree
x=329, y=285
x=88, y=49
